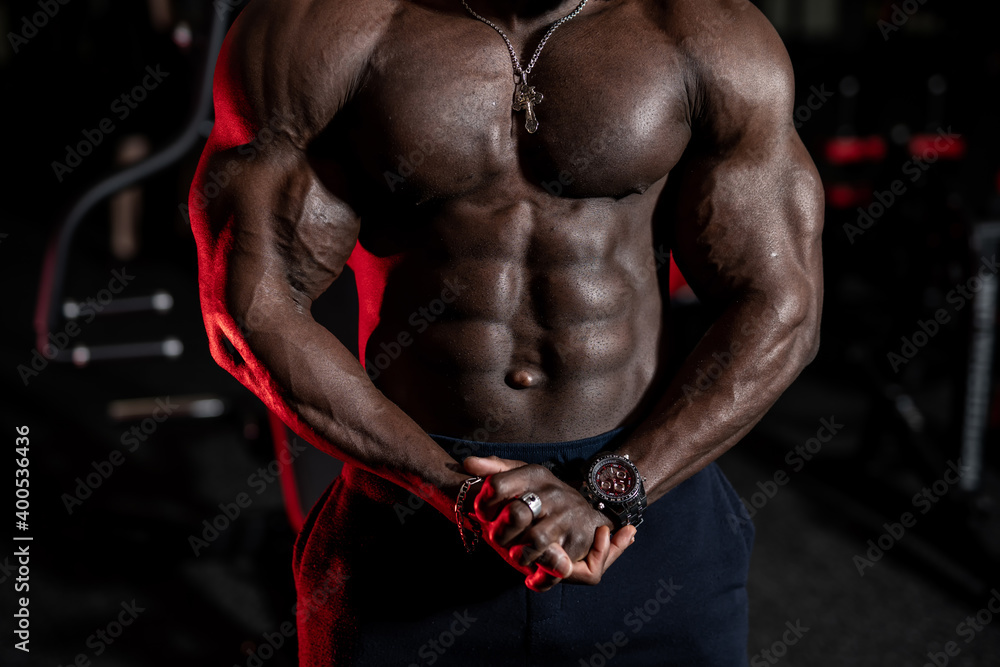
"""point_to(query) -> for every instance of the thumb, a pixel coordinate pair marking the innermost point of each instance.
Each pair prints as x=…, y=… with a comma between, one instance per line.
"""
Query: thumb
x=481, y=467
x=619, y=543
x=623, y=538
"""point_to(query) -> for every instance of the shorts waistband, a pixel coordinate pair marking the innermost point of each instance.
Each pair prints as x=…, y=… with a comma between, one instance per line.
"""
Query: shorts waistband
x=530, y=452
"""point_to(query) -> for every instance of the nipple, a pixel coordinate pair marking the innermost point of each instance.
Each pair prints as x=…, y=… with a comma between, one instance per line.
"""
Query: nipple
x=523, y=378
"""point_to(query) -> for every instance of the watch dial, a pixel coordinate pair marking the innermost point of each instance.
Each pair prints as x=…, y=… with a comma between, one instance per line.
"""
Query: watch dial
x=614, y=480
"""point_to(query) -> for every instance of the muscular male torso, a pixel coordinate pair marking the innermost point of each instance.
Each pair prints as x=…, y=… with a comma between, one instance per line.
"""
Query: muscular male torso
x=555, y=316
x=512, y=284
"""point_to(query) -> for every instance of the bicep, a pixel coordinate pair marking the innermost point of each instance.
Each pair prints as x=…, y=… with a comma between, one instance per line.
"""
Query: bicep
x=271, y=237
x=749, y=203
x=290, y=234
x=270, y=242
x=749, y=223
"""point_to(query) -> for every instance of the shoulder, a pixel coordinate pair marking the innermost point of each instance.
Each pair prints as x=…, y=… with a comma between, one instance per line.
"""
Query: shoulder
x=297, y=60
x=736, y=60
x=724, y=35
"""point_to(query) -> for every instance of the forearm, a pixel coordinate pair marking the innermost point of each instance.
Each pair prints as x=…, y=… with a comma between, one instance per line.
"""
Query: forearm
x=317, y=387
x=748, y=357
x=264, y=256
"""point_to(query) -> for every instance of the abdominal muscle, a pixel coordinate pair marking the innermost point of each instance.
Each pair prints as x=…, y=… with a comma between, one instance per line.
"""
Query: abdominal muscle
x=534, y=321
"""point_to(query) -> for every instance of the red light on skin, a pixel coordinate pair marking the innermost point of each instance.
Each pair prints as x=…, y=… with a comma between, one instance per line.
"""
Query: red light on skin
x=231, y=129
x=677, y=280
x=931, y=147
x=851, y=150
x=371, y=274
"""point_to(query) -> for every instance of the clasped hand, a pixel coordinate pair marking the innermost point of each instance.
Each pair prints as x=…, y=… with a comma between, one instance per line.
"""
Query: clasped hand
x=569, y=541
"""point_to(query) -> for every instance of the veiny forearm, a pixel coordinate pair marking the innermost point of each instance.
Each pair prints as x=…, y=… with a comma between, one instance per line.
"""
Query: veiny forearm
x=749, y=241
x=733, y=376
x=265, y=254
x=303, y=373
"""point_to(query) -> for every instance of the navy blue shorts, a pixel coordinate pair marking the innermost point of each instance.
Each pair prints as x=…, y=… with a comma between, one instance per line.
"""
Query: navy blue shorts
x=384, y=580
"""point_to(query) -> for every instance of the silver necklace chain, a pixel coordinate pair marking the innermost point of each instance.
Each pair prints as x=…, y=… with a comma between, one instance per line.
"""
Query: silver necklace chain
x=523, y=73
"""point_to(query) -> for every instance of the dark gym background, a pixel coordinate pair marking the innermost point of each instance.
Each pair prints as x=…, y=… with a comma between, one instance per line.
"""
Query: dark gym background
x=876, y=82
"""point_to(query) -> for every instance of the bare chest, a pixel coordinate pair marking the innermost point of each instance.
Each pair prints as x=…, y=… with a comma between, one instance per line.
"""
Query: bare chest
x=434, y=117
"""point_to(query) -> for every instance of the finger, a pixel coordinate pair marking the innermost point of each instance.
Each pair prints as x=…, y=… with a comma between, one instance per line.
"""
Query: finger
x=589, y=570
x=491, y=465
x=619, y=543
x=524, y=554
x=541, y=581
x=598, y=554
x=603, y=553
x=512, y=521
x=537, y=541
x=500, y=488
x=555, y=562
x=489, y=502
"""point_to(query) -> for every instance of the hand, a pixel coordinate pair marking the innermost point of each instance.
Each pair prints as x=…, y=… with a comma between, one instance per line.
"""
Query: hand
x=569, y=541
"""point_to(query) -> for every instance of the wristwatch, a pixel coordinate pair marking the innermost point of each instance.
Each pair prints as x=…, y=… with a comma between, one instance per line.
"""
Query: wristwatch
x=614, y=486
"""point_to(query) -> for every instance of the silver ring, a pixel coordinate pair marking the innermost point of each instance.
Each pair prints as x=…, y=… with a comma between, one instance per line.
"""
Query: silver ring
x=533, y=502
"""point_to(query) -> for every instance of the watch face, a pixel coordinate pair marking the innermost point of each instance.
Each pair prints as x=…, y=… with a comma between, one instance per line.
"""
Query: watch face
x=614, y=479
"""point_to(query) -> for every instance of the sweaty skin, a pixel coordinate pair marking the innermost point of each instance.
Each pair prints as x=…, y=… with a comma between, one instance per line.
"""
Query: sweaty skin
x=513, y=283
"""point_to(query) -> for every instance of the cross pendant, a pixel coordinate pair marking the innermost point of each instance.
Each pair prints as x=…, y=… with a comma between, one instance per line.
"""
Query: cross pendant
x=525, y=99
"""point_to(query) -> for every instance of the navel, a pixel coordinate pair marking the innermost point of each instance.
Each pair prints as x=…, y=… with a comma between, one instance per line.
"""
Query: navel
x=523, y=378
